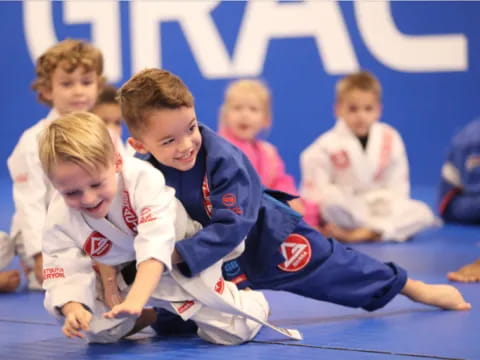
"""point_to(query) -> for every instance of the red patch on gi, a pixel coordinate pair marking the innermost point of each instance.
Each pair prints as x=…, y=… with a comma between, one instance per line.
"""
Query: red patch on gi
x=229, y=199
x=53, y=273
x=185, y=306
x=220, y=286
x=297, y=253
x=129, y=215
x=97, y=245
x=146, y=216
x=340, y=159
x=237, y=210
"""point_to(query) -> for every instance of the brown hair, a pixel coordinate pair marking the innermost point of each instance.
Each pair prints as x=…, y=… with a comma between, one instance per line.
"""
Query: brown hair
x=81, y=138
x=69, y=54
x=108, y=95
x=362, y=80
x=149, y=90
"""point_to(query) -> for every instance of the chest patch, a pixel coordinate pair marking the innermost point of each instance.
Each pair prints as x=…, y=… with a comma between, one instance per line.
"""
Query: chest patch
x=340, y=159
x=97, y=245
x=297, y=253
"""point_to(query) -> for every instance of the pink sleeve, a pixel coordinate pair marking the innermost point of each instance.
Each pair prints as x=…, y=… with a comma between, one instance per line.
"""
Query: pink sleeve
x=279, y=179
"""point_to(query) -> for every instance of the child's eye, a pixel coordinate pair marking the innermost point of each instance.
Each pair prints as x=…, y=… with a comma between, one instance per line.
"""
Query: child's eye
x=87, y=82
x=192, y=127
x=96, y=185
x=72, y=193
x=352, y=108
x=66, y=83
x=167, y=142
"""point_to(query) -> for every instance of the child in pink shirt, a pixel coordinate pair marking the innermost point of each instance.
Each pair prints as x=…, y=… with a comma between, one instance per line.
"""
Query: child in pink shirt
x=245, y=113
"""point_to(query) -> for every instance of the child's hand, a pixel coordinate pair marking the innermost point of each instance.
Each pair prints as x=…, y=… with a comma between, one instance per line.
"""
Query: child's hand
x=124, y=309
x=77, y=318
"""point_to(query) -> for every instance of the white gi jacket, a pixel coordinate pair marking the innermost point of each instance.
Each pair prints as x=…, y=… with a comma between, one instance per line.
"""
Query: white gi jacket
x=32, y=190
x=150, y=216
x=363, y=188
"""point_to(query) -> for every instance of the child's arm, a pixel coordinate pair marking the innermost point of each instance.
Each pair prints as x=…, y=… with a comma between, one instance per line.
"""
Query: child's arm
x=148, y=275
x=443, y=296
x=108, y=274
x=30, y=195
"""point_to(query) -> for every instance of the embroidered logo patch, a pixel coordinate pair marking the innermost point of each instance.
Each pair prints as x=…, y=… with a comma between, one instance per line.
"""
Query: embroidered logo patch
x=229, y=199
x=146, y=216
x=185, y=306
x=129, y=215
x=53, y=273
x=340, y=159
x=97, y=245
x=297, y=253
x=220, y=286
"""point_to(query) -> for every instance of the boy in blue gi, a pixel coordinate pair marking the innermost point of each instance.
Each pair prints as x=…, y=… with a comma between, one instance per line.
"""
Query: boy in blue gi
x=220, y=189
x=460, y=189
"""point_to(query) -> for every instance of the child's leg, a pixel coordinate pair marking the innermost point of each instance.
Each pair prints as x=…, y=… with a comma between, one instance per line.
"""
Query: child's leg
x=226, y=329
x=6, y=250
x=467, y=273
x=9, y=280
x=32, y=266
x=443, y=296
x=324, y=269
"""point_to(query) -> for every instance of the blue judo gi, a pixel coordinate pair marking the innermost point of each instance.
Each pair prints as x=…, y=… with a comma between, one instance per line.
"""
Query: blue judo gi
x=459, y=193
x=223, y=192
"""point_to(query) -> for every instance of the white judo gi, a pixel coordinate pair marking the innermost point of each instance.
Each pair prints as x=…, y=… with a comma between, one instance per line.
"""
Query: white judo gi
x=148, y=219
x=32, y=192
x=356, y=187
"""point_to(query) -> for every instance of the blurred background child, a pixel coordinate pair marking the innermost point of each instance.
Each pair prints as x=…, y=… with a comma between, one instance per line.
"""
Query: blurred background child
x=244, y=116
x=357, y=172
x=459, y=195
x=68, y=78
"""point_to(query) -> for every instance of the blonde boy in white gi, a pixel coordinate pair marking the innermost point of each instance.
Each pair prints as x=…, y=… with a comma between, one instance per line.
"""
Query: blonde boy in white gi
x=116, y=211
x=357, y=172
x=68, y=78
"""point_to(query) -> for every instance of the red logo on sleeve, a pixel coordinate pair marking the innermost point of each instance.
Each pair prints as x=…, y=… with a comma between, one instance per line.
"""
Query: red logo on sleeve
x=146, y=216
x=297, y=253
x=229, y=199
x=185, y=306
x=340, y=159
x=53, y=273
x=97, y=245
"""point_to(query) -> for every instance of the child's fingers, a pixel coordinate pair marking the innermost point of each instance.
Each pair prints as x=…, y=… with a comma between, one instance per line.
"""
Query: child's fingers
x=84, y=320
x=71, y=332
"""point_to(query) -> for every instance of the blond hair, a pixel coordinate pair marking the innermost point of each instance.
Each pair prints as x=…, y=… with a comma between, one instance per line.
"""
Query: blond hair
x=150, y=90
x=362, y=80
x=69, y=54
x=81, y=138
x=252, y=86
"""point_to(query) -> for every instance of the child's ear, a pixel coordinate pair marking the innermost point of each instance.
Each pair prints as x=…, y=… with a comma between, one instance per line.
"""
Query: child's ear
x=137, y=145
x=46, y=93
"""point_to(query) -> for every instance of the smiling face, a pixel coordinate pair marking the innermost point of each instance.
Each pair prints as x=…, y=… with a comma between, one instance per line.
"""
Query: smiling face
x=90, y=193
x=74, y=91
x=245, y=115
x=172, y=136
x=359, y=109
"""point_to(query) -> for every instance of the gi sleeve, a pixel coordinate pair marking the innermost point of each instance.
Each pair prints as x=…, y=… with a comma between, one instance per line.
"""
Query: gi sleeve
x=67, y=272
x=235, y=196
x=156, y=207
x=30, y=194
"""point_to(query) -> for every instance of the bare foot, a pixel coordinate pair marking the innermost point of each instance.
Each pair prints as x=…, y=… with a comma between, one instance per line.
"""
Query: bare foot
x=9, y=280
x=467, y=273
x=443, y=296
